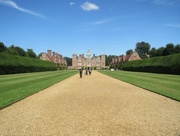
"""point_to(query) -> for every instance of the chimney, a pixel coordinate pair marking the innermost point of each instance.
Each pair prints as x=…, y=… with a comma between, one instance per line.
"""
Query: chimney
x=57, y=55
x=54, y=54
x=49, y=52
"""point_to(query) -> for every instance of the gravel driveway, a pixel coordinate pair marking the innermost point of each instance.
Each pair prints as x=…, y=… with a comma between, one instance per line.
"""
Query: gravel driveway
x=96, y=105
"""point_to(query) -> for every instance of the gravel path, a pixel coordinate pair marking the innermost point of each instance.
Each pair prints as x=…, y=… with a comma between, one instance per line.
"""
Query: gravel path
x=96, y=105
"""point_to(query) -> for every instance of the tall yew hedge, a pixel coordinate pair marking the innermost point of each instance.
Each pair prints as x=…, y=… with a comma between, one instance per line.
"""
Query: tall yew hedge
x=165, y=64
x=12, y=64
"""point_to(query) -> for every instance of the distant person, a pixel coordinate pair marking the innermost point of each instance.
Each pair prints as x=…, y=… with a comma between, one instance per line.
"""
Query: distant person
x=80, y=73
x=86, y=71
x=90, y=71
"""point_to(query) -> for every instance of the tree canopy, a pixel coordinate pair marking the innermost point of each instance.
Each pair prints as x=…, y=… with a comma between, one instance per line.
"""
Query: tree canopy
x=129, y=52
x=16, y=50
x=109, y=59
x=68, y=61
x=31, y=53
x=164, y=51
x=142, y=48
x=2, y=47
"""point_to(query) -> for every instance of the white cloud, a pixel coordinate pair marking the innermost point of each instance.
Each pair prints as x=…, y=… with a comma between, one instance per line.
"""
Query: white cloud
x=89, y=6
x=71, y=3
x=12, y=4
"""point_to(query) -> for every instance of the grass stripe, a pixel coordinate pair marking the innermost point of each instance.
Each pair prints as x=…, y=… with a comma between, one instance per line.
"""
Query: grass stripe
x=27, y=78
x=5, y=78
x=164, y=84
x=19, y=86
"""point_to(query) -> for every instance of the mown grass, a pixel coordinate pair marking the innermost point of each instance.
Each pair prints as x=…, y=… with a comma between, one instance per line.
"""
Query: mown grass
x=19, y=86
x=164, y=84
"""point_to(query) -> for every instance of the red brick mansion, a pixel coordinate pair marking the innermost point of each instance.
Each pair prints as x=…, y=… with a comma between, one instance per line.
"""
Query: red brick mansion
x=53, y=57
x=98, y=62
x=124, y=58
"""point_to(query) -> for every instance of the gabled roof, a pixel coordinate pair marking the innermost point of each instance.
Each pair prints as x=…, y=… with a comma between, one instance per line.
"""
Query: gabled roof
x=127, y=57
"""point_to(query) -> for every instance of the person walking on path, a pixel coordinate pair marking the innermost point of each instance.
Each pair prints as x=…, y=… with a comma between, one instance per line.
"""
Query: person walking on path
x=90, y=71
x=86, y=71
x=80, y=73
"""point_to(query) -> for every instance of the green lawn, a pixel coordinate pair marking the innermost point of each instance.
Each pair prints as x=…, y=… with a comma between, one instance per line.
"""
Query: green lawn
x=19, y=86
x=164, y=84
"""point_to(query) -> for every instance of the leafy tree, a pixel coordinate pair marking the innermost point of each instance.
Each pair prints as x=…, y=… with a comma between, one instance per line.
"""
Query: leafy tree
x=169, y=49
x=129, y=52
x=152, y=52
x=68, y=60
x=2, y=47
x=177, y=49
x=159, y=51
x=142, y=49
x=40, y=55
x=31, y=53
x=109, y=59
x=20, y=51
x=12, y=50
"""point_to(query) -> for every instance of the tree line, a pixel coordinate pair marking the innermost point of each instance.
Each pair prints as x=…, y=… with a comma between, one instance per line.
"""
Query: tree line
x=14, y=60
x=144, y=50
x=18, y=51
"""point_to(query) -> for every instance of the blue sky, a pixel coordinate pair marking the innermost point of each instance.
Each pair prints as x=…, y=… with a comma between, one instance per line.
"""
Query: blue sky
x=74, y=26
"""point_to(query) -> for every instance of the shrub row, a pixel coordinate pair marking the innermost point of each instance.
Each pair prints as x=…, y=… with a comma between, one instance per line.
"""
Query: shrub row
x=11, y=64
x=164, y=64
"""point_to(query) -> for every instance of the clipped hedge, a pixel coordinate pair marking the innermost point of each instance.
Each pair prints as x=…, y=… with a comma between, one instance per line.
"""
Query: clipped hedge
x=11, y=64
x=165, y=64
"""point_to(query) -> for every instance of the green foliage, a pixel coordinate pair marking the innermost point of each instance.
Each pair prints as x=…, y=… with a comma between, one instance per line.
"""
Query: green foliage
x=165, y=64
x=152, y=52
x=11, y=64
x=159, y=51
x=164, y=84
x=68, y=60
x=129, y=52
x=12, y=50
x=177, y=49
x=164, y=51
x=109, y=59
x=169, y=49
x=15, y=50
x=142, y=49
x=40, y=55
x=61, y=67
x=2, y=47
x=31, y=53
x=20, y=51
x=18, y=86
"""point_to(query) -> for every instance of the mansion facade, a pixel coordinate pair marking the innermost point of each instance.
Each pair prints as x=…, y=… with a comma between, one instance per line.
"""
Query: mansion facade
x=53, y=57
x=124, y=58
x=98, y=62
